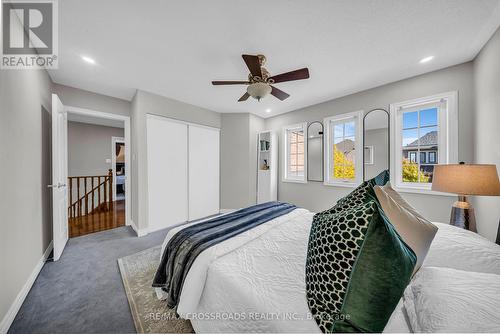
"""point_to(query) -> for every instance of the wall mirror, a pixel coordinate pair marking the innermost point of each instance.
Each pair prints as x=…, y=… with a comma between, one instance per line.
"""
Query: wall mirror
x=315, y=151
x=375, y=143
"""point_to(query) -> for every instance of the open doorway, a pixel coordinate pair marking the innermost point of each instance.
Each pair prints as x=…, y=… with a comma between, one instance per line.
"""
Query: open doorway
x=118, y=166
x=97, y=171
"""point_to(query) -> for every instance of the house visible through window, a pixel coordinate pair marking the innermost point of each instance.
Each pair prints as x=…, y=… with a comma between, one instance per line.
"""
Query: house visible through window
x=420, y=135
x=295, y=153
x=344, y=153
x=425, y=133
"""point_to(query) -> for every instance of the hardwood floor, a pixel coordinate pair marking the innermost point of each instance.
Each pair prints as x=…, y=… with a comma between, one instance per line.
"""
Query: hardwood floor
x=97, y=222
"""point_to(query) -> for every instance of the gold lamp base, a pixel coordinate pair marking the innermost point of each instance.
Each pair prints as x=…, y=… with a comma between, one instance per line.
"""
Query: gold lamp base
x=462, y=214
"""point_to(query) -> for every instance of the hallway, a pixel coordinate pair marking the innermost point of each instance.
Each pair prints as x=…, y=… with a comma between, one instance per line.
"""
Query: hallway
x=98, y=221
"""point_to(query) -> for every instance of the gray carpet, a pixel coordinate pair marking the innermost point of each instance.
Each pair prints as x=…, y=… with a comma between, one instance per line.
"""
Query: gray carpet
x=83, y=291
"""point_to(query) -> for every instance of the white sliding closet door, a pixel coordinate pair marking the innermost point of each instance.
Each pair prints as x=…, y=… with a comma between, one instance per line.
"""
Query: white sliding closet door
x=167, y=143
x=203, y=172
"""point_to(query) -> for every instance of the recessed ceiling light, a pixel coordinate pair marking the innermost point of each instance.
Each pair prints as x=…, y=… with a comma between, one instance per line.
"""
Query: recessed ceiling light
x=268, y=110
x=88, y=60
x=426, y=59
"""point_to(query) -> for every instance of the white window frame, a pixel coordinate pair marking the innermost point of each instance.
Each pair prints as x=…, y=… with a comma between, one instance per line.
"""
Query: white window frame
x=285, y=176
x=357, y=116
x=370, y=161
x=447, y=137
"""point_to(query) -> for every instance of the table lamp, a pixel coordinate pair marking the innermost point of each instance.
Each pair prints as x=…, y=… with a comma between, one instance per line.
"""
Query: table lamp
x=465, y=179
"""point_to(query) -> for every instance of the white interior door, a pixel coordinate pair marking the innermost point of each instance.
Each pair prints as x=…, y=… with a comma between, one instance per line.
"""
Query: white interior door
x=59, y=176
x=167, y=172
x=203, y=172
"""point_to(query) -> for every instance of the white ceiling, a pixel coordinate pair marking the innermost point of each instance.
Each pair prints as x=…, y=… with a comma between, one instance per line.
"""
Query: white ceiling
x=176, y=48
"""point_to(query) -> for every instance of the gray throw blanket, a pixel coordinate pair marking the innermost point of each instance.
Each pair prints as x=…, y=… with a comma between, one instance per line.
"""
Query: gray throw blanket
x=183, y=248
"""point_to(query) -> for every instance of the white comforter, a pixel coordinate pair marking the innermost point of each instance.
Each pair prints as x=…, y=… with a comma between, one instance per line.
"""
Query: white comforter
x=255, y=282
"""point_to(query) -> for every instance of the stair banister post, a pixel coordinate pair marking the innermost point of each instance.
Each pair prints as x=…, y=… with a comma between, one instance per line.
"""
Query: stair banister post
x=110, y=175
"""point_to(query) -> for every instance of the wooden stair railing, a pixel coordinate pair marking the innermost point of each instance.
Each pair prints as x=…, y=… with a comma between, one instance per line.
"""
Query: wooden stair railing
x=91, y=186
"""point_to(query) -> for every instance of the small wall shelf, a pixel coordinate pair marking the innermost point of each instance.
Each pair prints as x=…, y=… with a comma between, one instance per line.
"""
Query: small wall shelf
x=267, y=160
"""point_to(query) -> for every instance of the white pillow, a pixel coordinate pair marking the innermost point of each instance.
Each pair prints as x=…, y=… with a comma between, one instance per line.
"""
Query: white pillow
x=450, y=300
x=456, y=248
x=415, y=230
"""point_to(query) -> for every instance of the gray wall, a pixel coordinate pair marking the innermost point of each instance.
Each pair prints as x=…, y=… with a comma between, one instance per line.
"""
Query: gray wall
x=25, y=172
x=145, y=103
x=234, y=161
x=378, y=138
x=84, y=99
x=239, y=159
x=487, y=129
x=316, y=197
x=89, y=146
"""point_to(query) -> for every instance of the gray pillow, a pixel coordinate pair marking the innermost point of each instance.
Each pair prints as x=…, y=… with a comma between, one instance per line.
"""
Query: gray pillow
x=414, y=229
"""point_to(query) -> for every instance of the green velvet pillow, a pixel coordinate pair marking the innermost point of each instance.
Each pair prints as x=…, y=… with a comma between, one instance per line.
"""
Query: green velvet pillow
x=363, y=193
x=356, y=270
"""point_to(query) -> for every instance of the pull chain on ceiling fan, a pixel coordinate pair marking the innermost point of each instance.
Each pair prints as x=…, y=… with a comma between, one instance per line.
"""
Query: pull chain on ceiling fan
x=260, y=81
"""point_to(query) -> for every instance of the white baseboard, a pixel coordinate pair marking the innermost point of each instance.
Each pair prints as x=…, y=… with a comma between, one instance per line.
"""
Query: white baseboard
x=138, y=231
x=223, y=211
x=21, y=296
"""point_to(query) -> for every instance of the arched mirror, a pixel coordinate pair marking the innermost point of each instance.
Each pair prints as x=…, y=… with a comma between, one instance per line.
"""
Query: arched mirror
x=315, y=151
x=375, y=143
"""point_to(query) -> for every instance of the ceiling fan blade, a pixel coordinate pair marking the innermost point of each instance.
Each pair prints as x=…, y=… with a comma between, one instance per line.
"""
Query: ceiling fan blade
x=244, y=97
x=303, y=73
x=216, y=83
x=279, y=93
x=253, y=64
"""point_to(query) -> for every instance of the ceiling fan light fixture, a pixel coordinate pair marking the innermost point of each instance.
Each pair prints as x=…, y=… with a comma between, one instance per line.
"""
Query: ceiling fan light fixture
x=259, y=90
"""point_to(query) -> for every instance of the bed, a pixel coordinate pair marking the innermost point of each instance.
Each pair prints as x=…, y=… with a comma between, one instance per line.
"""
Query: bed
x=255, y=282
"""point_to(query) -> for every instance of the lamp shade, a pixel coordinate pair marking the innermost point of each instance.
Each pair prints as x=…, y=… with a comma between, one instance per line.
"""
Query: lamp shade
x=465, y=179
x=258, y=90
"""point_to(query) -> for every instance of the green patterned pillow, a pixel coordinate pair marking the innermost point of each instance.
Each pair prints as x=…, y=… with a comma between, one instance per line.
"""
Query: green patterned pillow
x=356, y=270
x=363, y=193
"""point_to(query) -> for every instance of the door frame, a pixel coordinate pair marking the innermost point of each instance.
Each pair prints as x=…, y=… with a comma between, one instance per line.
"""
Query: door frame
x=127, y=139
x=114, y=141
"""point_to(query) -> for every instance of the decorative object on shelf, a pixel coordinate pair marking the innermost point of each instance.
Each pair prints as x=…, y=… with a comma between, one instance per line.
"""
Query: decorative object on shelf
x=265, y=166
x=264, y=145
x=315, y=151
x=375, y=137
x=464, y=180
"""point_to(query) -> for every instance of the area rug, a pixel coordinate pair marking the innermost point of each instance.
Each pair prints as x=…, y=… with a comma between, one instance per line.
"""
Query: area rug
x=150, y=314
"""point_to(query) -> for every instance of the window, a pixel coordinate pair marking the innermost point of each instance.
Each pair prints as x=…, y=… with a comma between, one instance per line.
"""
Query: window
x=413, y=157
x=344, y=150
x=294, y=153
x=432, y=157
x=424, y=132
x=423, y=160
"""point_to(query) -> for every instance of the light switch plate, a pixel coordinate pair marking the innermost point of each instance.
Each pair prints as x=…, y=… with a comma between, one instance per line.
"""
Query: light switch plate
x=108, y=161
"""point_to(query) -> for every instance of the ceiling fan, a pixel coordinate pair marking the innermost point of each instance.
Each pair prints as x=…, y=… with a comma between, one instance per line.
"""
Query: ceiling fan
x=260, y=81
